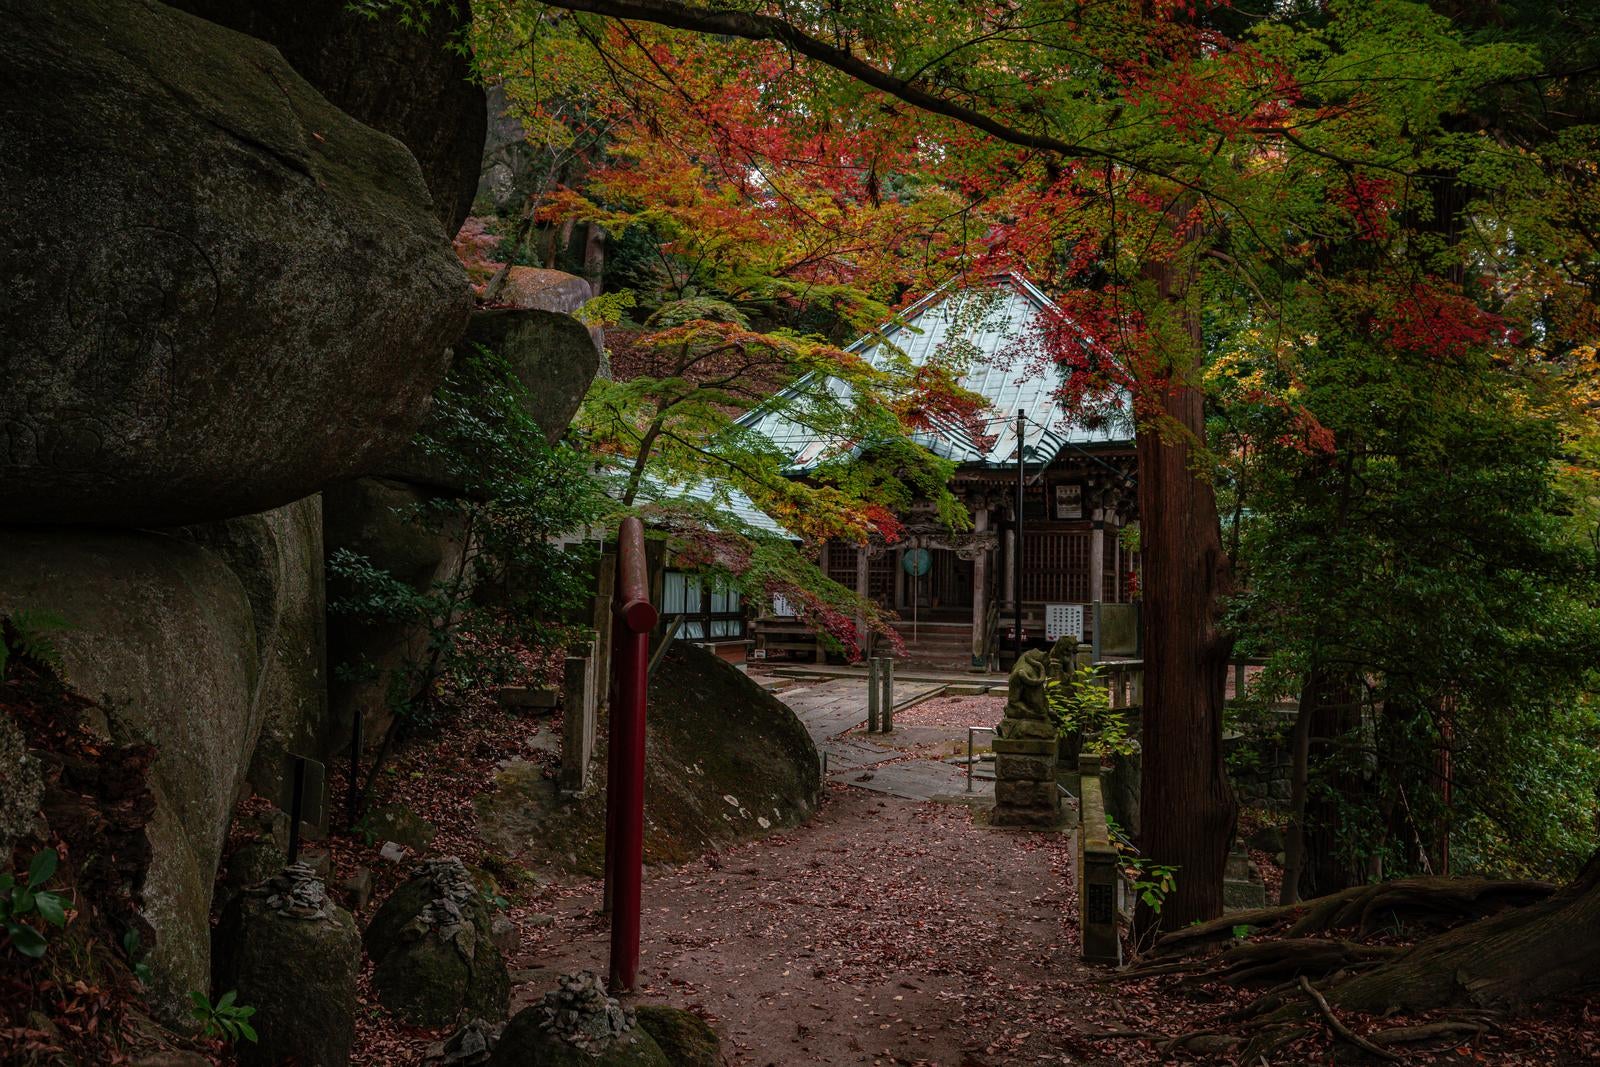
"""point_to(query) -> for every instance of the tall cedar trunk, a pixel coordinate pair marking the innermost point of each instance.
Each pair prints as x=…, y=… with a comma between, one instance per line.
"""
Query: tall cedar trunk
x=1188, y=804
x=1515, y=958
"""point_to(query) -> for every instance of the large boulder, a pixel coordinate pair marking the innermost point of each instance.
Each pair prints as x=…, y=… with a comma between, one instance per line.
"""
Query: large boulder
x=434, y=949
x=540, y=289
x=277, y=555
x=412, y=82
x=725, y=761
x=221, y=291
x=162, y=634
x=551, y=353
x=287, y=950
x=553, y=356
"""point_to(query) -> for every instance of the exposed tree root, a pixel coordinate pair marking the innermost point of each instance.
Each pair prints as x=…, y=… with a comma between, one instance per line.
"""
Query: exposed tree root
x=1272, y=960
x=1508, y=945
x=1404, y=1035
x=1430, y=903
x=1339, y=1028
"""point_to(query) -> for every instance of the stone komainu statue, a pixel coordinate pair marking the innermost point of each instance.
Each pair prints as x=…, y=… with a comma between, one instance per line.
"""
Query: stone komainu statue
x=1027, y=704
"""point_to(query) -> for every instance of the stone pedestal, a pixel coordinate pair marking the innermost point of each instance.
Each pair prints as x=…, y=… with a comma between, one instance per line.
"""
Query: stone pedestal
x=287, y=950
x=1099, y=871
x=1025, y=791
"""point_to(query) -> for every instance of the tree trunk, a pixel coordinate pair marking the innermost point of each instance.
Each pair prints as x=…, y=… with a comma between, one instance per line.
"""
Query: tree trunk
x=1515, y=958
x=1185, y=791
x=1312, y=866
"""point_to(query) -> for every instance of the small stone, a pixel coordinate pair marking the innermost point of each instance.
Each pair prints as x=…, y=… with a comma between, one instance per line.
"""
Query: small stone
x=504, y=932
x=357, y=888
x=318, y=860
x=393, y=851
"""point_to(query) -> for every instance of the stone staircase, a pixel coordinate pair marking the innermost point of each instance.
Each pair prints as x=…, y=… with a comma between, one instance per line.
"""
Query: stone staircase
x=947, y=645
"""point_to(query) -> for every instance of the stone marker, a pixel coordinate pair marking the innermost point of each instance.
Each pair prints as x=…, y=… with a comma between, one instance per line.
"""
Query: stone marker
x=293, y=955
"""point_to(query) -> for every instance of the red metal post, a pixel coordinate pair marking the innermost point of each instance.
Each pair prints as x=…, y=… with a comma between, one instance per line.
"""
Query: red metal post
x=635, y=618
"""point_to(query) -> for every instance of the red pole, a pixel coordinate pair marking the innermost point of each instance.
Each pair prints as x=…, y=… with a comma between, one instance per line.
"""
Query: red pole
x=635, y=618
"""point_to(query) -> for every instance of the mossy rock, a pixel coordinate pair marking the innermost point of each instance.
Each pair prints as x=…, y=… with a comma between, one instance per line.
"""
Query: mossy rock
x=427, y=977
x=300, y=976
x=526, y=1043
x=725, y=761
x=687, y=1039
x=398, y=823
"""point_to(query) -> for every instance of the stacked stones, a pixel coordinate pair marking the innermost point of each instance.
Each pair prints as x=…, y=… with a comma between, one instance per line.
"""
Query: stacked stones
x=1025, y=790
x=580, y=1012
x=577, y=1025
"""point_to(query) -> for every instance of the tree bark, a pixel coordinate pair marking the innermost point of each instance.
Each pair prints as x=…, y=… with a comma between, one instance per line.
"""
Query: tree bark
x=1184, y=784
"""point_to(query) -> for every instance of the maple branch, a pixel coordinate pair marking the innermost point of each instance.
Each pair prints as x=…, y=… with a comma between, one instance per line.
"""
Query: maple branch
x=754, y=27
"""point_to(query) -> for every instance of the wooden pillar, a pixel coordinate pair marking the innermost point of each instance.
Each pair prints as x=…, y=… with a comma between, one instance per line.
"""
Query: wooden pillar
x=1010, y=571
x=980, y=590
x=1116, y=563
x=821, y=653
x=862, y=588
x=1097, y=573
x=1097, y=558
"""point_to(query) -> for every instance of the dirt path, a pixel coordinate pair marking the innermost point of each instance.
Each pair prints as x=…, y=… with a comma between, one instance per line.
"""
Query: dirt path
x=884, y=931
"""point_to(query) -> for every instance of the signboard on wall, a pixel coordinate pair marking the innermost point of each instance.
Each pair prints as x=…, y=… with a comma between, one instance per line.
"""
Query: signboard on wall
x=1069, y=500
x=1063, y=620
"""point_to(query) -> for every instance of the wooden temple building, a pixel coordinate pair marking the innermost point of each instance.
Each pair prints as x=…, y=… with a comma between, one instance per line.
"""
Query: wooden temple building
x=956, y=591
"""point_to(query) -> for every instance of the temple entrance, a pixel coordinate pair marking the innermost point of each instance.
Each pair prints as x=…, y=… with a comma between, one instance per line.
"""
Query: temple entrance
x=945, y=591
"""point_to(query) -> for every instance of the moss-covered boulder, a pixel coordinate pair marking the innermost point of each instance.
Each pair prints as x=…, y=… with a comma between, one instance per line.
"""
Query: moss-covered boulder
x=221, y=291
x=406, y=77
x=725, y=761
x=552, y=354
x=397, y=823
x=162, y=633
x=577, y=1025
x=288, y=951
x=434, y=948
x=687, y=1039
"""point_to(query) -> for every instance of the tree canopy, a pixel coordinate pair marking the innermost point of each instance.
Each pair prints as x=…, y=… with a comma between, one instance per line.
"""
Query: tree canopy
x=1341, y=254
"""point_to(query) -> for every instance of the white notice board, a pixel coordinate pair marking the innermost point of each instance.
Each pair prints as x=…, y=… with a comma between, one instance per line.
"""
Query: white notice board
x=1063, y=620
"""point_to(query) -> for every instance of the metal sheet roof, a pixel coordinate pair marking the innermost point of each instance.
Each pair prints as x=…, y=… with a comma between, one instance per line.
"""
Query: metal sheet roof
x=710, y=491
x=980, y=330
